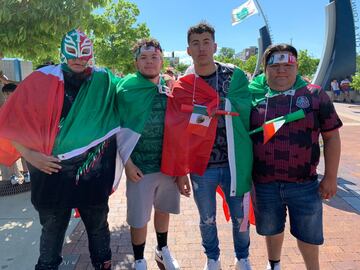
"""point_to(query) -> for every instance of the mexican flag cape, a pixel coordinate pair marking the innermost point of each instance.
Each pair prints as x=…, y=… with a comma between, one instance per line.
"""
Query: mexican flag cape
x=136, y=95
x=104, y=106
x=185, y=152
x=259, y=88
x=32, y=113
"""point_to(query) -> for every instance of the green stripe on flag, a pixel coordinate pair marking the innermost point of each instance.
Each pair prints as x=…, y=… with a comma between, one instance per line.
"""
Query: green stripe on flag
x=198, y=109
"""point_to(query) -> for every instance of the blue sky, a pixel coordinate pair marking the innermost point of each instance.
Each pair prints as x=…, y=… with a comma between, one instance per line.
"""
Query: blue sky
x=301, y=22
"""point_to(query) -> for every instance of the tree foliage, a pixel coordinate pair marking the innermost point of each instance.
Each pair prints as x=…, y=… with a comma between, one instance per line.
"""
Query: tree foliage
x=227, y=53
x=181, y=67
x=250, y=64
x=355, y=84
x=307, y=64
x=33, y=29
x=115, y=34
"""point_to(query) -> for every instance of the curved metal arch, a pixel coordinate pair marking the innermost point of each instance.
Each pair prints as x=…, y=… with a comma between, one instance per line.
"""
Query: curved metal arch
x=339, y=54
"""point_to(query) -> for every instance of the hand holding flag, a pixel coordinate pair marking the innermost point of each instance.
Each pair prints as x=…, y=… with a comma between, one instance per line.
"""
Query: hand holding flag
x=272, y=126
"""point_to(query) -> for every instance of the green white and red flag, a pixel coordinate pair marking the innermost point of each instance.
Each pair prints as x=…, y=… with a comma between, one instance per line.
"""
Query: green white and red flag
x=271, y=128
x=199, y=121
x=244, y=11
x=185, y=152
x=104, y=106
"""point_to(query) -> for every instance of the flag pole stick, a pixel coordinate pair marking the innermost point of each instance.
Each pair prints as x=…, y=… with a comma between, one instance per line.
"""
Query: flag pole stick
x=263, y=15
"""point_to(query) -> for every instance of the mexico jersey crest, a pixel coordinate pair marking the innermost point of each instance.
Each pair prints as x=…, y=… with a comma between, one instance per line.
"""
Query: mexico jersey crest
x=302, y=102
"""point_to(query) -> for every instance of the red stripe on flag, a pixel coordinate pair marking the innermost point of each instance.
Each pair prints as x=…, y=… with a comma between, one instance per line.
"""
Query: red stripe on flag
x=269, y=131
x=197, y=129
x=8, y=154
x=185, y=152
x=32, y=113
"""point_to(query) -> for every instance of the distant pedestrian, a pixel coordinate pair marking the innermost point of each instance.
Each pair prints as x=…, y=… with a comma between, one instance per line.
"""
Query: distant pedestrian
x=345, y=88
x=334, y=85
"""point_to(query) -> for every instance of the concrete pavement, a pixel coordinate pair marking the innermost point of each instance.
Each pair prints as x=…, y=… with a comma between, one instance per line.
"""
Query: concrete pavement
x=20, y=229
x=20, y=232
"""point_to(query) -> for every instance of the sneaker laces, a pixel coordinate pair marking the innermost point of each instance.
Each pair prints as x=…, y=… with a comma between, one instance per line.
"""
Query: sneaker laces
x=168, y=260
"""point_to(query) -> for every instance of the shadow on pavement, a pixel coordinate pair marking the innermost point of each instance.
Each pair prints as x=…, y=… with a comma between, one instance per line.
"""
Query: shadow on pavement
x=347, y=197
x=77, y=243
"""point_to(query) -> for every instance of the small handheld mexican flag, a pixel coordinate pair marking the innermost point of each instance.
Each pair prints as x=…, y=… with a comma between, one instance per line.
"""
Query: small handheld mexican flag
x=272, y=126
x=199, y=121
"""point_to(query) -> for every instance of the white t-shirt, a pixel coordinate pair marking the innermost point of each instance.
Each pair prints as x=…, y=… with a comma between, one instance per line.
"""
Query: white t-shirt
x=335, y=86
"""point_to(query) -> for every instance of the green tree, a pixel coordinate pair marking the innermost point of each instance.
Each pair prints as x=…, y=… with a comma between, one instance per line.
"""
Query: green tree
x=227, y=53
x=115, y=34
x=181, y=67
x=166, y=64
x=33, y=29
x=307, y=64
x=355, y=84
x=358, y=62
x=250, y=64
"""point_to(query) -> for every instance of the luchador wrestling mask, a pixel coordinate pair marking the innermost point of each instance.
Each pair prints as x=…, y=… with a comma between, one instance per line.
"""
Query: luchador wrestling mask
x=75, y=44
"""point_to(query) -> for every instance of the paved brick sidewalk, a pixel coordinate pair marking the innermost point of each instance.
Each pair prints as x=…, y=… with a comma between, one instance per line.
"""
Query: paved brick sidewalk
x=341, y=218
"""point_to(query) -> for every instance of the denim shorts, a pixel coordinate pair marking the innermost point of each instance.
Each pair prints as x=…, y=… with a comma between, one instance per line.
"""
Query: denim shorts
x=301, y=200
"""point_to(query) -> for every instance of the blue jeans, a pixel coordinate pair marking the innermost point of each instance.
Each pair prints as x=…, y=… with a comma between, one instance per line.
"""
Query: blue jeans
x=204, y=188
x=54, y=224
x=272, y=201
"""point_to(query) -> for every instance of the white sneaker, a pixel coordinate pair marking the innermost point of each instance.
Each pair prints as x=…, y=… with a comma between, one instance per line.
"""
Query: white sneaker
x=212, y=265
x=242, y=264
x=276, y=266
x=164, y=259
x=27, y=177
x=140, y=264
x=15, y=180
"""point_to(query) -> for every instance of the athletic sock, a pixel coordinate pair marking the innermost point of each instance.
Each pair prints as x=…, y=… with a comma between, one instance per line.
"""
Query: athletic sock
x=138, y=251
x=161, y=239
x=273, y=263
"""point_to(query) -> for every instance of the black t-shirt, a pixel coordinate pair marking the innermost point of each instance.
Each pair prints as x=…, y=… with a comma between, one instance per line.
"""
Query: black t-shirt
x=220, y=81
x=63, y=189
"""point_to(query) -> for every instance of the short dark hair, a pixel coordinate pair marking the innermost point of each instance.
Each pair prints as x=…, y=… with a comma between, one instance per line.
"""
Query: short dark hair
x=147, y=42
x=9, y=88
x=202, y=27
x=277, y=48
